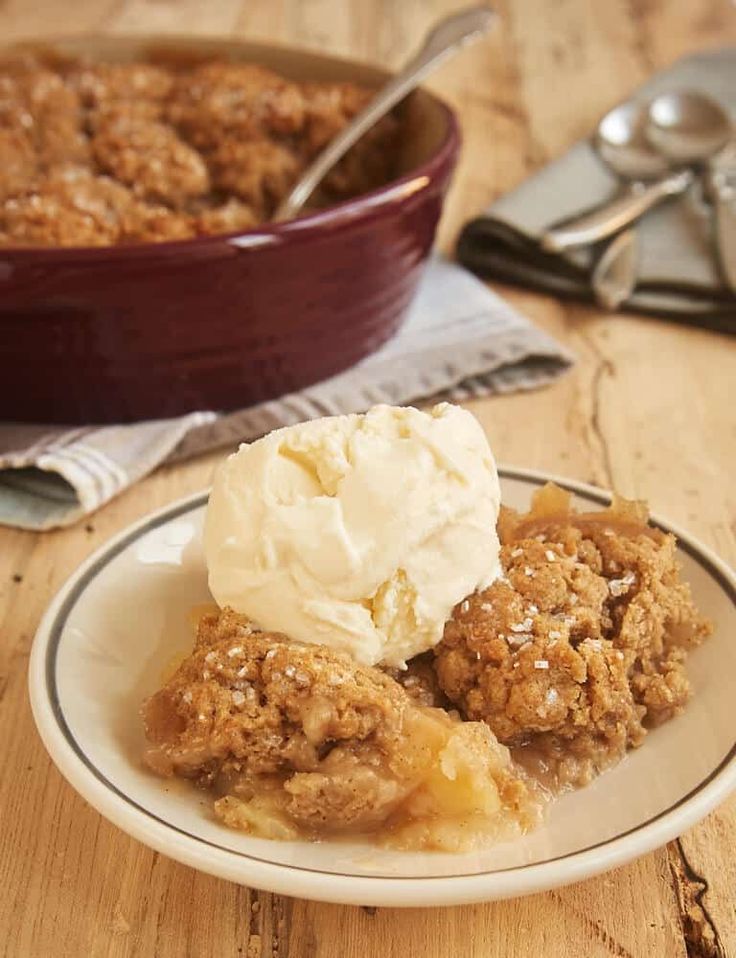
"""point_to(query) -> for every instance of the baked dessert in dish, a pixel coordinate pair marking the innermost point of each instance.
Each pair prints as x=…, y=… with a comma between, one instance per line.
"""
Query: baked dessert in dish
x=298, y=740
x=536, y=681
x=580, y=647
x=97, y=154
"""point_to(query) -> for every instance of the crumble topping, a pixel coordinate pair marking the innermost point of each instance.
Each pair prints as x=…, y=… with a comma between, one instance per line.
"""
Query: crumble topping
x=96, y=154
x=605, y=649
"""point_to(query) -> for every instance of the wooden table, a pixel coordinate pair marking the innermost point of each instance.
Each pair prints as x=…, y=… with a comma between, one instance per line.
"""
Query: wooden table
x=648, y=409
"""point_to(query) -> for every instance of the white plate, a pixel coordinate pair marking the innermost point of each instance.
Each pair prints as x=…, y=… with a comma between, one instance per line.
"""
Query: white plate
x=119, y=620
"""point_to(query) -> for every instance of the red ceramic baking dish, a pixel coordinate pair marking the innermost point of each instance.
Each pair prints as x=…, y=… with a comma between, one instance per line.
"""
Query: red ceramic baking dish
x=121, y=333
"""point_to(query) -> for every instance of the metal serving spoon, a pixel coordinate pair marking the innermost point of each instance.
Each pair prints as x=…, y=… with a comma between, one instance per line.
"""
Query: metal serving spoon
x=448, y=36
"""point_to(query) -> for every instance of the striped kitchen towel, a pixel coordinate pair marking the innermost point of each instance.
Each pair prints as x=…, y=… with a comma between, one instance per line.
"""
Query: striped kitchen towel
x=460, y=341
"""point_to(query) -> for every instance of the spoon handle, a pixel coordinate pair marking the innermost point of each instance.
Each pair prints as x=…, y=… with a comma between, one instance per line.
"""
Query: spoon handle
x=448, y=35
x=614, y=216
x=614, y=276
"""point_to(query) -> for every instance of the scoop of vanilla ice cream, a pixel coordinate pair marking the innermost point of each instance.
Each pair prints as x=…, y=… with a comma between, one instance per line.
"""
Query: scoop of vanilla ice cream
x=359, y=532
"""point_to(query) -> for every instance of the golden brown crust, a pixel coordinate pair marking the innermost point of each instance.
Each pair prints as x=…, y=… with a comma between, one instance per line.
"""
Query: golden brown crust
x=203, y=150
x=102, y=83
x=256, y=171
x=255, y=698
x=237, y=100
x=227, y=217
x=71, y=207
x=150, y=159
x=18, y=162
x=299, y=740
x=581, y=647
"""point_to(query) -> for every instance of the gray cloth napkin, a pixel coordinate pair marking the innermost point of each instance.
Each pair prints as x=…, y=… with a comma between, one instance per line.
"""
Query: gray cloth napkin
x=677, y=275
x=459, y=341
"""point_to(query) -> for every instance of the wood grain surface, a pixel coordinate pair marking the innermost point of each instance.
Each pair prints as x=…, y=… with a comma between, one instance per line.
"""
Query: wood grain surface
x=648, y=409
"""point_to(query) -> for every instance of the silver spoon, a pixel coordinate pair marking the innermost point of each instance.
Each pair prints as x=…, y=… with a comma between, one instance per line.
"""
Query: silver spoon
x=681, y=119
x=448, y=36
x=687, y=126
x=622, y=144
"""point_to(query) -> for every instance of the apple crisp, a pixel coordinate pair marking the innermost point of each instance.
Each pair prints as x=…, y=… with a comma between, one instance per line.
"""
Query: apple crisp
x=298, y=741
x=541, y=681
x=96, y=154
x=580, y=648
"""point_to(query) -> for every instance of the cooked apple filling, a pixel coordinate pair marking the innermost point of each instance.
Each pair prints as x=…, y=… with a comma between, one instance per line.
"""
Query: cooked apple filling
x=298, y=741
